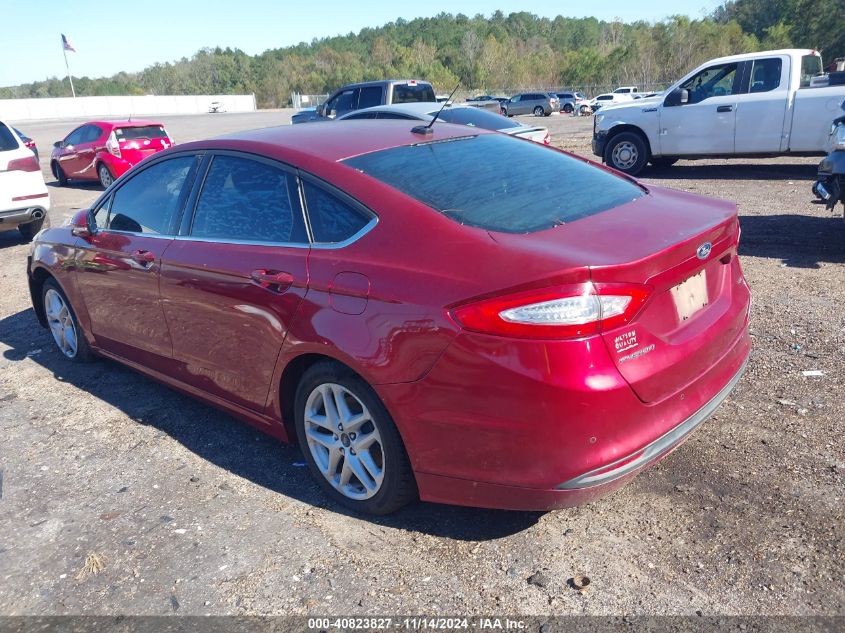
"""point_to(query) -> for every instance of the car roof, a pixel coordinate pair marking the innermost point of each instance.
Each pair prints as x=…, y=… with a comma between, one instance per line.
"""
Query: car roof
x=759, y=54
x=122, y=123
x=383, y=82
x=328, y=142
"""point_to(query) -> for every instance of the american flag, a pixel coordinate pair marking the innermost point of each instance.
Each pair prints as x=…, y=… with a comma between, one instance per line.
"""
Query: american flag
x=66, y=45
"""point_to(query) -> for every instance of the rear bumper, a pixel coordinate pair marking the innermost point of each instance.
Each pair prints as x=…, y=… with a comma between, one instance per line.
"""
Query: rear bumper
x=15, y=217
x=517, y=425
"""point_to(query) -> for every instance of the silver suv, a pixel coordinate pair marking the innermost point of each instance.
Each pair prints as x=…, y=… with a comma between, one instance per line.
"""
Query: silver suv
x=537, y=103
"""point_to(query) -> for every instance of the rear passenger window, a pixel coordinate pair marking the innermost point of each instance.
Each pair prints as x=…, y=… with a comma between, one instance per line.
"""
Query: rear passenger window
x=370, y=96
x=332, y=220
x=92, y=133
x=151, y=199
x=244, y=199
x=765, y=74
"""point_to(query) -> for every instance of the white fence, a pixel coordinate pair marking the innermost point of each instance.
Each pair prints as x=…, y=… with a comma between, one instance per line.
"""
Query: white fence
x=88, y=107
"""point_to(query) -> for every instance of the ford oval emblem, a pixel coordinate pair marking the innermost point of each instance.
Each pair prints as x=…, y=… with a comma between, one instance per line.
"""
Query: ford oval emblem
x=704, y=250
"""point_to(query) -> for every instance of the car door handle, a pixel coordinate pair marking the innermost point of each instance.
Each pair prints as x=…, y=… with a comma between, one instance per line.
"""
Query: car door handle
x=273, y=280
x=145, y=258
x=725, y=108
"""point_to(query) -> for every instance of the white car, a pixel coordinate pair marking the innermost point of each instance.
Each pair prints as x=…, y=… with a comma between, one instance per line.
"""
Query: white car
x=611, y=97
x=458, y=114
x=24, y=200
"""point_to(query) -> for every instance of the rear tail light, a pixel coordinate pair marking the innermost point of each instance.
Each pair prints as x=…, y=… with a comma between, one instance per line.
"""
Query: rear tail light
x=112, y=145
x=547, y=139
x=555, y=313
x=30, y=163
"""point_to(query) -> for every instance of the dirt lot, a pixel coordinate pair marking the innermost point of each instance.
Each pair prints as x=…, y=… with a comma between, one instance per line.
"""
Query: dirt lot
x=190, y=512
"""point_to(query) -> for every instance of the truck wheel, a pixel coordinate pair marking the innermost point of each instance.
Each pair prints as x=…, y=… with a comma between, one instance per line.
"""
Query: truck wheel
x=663, y=162
x=627, y=152
x=29, y=229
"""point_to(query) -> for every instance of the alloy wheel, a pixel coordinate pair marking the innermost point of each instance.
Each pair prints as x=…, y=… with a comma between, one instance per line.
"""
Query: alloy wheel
x=105, y=177
x=60, y=320
x=344, y=441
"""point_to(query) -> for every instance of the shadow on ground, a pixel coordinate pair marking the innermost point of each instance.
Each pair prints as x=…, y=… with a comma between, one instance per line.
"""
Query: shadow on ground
x=229, y=444
x=801, y=241
x=693, y=170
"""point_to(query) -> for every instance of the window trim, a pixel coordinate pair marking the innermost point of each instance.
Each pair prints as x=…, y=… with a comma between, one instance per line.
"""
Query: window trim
x=343, y=197
x=186, y=226
x=203, y=160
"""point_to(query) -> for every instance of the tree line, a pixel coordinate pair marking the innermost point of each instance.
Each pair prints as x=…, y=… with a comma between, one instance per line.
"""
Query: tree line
x=496, y=53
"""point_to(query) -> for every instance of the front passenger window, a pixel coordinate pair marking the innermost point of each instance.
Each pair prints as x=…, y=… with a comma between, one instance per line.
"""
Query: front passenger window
x=151, y=199
x=715, y=81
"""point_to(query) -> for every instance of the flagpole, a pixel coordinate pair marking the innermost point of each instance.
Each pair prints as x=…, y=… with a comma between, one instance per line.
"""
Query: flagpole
x=72, y=91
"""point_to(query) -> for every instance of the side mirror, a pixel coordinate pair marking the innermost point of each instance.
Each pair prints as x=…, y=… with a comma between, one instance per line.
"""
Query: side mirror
x=58, y=144
x=679, y=96
x=81, y=224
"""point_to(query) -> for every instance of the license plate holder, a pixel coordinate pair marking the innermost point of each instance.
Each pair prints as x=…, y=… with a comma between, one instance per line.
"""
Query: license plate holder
x=690, y=296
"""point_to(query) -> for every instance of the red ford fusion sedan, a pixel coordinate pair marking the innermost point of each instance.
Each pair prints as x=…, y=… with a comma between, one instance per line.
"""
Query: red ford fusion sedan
x=105, y=150
x=422, y=322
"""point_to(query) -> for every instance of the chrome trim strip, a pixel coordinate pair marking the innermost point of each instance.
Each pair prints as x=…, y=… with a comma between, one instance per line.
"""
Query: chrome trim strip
x=658, y=447
x=189, y=238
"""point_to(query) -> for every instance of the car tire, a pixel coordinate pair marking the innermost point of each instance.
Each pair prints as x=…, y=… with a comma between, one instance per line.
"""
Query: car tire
x=567, y=107
x=379, y=480
x=663, y=162
x=29, y=229
x=105, y=175
x=627, y=152
x=59, y=173
x=63, y=324
x=538, y=111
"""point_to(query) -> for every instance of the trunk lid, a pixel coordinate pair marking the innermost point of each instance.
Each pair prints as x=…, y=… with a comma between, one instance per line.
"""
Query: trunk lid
x=697, y=306
x=138, y=142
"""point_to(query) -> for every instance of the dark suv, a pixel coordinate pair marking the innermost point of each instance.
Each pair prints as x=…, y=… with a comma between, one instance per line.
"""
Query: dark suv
x=365, y=95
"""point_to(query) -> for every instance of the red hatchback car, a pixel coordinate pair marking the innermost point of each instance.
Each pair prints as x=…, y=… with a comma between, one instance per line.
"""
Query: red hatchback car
x=105, y=150
x=421, y=321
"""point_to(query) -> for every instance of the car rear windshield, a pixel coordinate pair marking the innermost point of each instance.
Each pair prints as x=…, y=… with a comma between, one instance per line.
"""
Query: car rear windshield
x=7, y=139
x=141, y=131
x=464, y=179
x=477, y=117
x=407, y=93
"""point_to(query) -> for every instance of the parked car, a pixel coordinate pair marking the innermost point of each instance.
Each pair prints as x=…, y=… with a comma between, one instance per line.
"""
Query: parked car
x=466, y=335
x=570, y=101
x=105, y=150
x=459, y=114
x=743, y=105
x=366, y=95
x=537, y=103
x=27, y=141
x=609, y=98
x=24, y=200
x=481, y=98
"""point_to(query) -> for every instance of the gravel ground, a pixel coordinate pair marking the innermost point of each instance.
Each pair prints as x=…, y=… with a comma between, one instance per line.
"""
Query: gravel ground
x=118, y=495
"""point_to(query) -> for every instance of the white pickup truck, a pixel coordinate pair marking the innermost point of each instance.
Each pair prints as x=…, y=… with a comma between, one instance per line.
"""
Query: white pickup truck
x=752, y=105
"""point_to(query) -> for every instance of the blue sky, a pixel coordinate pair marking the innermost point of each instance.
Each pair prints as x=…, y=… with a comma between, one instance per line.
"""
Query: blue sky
x=114, y=36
